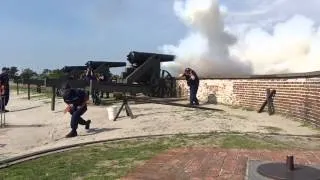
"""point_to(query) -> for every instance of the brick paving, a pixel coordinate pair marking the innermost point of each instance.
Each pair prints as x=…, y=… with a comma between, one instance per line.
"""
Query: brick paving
x=212, y=163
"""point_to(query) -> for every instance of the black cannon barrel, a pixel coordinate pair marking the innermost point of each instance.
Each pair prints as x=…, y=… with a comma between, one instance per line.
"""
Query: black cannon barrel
x=96, y=64
x=67, y=69
x=135, y=57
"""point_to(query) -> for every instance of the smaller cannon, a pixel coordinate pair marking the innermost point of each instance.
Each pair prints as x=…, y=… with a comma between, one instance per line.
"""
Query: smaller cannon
x=68, y=69
x=73, y=72
x=102, y=68
x=96, y=65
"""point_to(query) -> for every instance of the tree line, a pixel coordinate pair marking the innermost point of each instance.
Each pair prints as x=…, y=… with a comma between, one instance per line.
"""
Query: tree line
x=15, y=73
x=28, y=73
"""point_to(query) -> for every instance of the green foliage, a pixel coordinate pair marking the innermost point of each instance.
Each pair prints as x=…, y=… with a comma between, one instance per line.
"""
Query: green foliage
x=55, y=74
x=28, y=74
x=13, y=72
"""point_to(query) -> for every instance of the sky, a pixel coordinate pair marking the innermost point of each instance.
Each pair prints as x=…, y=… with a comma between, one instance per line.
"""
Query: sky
x=41, y=34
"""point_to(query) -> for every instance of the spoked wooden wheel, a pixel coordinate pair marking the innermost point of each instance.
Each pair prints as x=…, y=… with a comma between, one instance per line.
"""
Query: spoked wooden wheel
x=163, y=86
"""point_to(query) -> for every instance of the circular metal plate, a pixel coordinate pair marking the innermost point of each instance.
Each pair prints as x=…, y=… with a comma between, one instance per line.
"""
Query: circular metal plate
x=279, y=171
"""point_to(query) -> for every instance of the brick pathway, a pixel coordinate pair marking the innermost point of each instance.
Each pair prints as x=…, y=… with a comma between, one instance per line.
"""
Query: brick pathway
x=212, y=163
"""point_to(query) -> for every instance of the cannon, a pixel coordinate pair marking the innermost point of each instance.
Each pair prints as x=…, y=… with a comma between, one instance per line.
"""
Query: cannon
x=143, y=76
x=145, y=70
x=69, y=69
x=102, y=68
x=73, y=72
x=138, y=58
x=101, y=65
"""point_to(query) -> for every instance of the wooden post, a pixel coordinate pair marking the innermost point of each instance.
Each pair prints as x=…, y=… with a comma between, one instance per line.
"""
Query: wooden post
x=28, y=86
x=269, y=102
x=90, y=91
x=17, y=87
x=53, y=99
x=38, y=88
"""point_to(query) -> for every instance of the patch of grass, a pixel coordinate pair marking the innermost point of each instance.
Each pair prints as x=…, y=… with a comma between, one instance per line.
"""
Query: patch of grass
x=113, y=160
x=247, y=142
x=248, y=109
x=309, y=125
x=272, y=129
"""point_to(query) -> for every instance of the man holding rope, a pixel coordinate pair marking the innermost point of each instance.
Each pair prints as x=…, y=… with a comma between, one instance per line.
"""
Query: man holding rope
x=193, y=83
x=76, y=100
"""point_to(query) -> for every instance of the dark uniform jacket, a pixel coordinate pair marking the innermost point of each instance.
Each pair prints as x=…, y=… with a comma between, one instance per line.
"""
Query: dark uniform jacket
x=76, y=97
x=5, y=81
x=192, y=82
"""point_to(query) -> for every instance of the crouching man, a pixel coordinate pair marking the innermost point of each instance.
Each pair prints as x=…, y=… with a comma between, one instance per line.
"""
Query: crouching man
x=76, y=100
x=193, y=83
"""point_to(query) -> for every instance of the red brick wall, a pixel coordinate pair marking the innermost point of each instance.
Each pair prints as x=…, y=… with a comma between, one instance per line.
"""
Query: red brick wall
x=298, y=97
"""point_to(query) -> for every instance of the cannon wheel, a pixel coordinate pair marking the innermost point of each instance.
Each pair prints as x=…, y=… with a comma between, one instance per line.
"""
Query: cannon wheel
x=164, y=86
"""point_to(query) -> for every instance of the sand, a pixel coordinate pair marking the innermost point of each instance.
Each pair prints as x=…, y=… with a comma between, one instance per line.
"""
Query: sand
x=32, y=126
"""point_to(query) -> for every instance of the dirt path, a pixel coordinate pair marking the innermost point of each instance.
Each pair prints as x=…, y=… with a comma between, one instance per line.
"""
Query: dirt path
x=33, y=126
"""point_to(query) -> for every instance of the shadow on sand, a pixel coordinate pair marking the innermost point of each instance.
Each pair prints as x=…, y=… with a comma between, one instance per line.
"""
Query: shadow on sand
x=2, y=145
x=98, y=130
x=60, y=111
x=147, y=114
x=23, y=125
x=17, y=110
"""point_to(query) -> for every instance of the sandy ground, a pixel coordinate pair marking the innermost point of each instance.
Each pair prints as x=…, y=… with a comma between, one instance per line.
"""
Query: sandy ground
x=33, y=126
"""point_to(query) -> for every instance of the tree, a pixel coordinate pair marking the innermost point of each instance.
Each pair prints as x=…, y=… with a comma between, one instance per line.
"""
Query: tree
x=45, y=73
x=13, y=72
x=56, y=74
x=28, y=73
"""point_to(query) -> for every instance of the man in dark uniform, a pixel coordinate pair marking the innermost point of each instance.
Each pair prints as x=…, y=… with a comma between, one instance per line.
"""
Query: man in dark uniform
x=193, y=83
x=76, y=100
x=4, y=78
x=2, y=99
x=103, y=78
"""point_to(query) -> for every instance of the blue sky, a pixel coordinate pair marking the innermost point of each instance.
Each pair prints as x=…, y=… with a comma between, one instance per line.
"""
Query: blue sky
x=52, y=33
x=49, y=34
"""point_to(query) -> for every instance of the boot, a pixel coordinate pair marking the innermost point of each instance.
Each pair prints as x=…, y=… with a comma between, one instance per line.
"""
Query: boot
x=72, y=134
x=88, y=124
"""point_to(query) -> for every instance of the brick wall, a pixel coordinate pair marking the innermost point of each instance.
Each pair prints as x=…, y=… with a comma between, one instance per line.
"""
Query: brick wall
x=297, y=95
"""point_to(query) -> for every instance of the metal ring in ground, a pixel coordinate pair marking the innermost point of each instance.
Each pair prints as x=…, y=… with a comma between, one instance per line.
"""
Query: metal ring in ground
x=279, y=171
x=19, y=159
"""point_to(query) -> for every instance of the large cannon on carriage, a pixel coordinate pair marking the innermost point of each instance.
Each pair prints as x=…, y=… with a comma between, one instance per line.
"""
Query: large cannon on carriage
x=146, y=69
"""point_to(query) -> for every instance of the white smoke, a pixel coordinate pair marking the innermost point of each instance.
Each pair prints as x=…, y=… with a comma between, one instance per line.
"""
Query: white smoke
x=292, y=46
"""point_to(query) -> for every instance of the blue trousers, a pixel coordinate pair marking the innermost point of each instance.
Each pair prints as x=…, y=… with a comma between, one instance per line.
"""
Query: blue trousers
x=4, y=101
x=193, y=94
x=76, y=118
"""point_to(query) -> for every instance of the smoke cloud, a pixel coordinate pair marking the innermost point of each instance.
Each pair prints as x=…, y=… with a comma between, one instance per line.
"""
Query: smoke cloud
x=209, y=48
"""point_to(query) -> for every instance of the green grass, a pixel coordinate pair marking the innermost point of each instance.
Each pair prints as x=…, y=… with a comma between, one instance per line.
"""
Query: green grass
x=45, y=92
x=115, y=159
x=309, y=125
